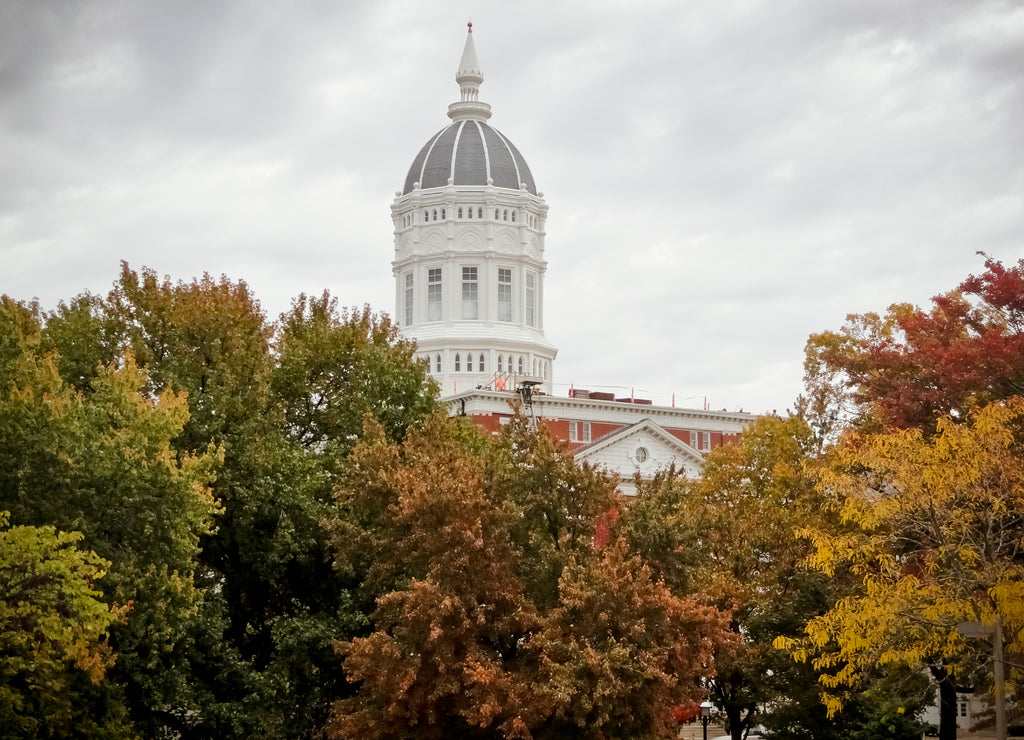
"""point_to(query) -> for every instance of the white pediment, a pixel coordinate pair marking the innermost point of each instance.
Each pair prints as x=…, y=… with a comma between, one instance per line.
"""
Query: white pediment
x=645, y=448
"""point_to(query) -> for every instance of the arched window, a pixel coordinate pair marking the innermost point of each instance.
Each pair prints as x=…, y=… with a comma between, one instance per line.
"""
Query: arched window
x=443, y=217
x=435, y=214
x=426, y=215
x=499, y=364
x=520, y=365
x=482, y=368
x=504, y=215
x=470, y=209
x=513, y=216
x=437, y=363
x=479, y=212
x=458, y=363
x=497, y=215
x=469, y=362
x=460, y=213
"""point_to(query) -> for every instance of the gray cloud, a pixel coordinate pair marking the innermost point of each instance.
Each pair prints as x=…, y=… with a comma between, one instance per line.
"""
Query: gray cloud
x=724, y=177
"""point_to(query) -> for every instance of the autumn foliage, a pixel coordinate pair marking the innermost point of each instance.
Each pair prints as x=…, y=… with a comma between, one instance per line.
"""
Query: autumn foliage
x=462, y=644
x=910, y=367
x=225, y=526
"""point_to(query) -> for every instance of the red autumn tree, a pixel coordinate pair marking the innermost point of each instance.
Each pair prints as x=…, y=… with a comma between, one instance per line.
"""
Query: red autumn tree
x=911, y=367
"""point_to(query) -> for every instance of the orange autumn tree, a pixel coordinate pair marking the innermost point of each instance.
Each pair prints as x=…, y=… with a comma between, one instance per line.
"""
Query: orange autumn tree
x=462, y=643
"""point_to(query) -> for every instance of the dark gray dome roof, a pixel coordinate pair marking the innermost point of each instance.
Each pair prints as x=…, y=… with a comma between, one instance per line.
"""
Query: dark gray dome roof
x=469, y=151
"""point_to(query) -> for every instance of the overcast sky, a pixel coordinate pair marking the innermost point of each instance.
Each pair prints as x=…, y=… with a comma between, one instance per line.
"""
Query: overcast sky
x=723, y=178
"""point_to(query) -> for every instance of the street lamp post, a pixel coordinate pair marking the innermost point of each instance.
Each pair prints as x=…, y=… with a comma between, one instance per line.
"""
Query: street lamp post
x=705, y=716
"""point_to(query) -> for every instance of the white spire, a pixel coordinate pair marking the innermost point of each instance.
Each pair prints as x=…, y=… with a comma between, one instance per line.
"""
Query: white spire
x=469, y=67
x=469, y=78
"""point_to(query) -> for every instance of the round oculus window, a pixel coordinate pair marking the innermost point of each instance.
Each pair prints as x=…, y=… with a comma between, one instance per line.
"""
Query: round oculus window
x=640, y=455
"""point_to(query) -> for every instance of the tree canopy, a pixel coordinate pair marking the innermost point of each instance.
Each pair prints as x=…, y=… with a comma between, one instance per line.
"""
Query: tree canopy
x=499, y=614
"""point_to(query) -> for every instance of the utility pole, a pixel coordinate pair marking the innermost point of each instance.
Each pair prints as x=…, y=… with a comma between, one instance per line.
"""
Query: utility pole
x=977, y=630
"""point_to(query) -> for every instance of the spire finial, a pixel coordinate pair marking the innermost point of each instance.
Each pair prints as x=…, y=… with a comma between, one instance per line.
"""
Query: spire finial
x=469, y=78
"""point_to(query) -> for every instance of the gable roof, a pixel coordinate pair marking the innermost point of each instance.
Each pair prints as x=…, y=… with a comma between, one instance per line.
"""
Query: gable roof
x=646, y=429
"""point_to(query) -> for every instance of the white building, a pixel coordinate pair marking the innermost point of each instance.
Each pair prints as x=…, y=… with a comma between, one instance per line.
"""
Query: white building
x=469, y=250
x=469, y=288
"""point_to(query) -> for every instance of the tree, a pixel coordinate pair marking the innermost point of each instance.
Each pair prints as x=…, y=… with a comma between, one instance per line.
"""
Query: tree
x=911, y=367
x=936, y=526
x=53, y=626
x=335, y=367
x=101, y=463
x=554, y=503
x=284, y=403
x=498, y=613
x=619, y=651
x=448, y=635
x=137, y=417
x=730, y=537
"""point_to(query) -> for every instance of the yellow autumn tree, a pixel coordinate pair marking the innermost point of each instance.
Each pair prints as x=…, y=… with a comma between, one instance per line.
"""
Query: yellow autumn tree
x=935, y=527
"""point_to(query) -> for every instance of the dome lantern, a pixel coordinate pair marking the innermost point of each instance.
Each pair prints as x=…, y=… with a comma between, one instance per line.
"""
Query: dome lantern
x=469, y=252
x=469, y=77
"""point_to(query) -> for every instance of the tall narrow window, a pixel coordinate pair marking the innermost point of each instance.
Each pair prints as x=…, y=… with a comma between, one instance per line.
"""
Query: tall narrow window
x=470, y=209
x=482, y=368
x=479, y=212
x=434, y=294
x=531, y=299
x=458, y=363
x=504, y=294
x=586, y=431
x=500, y=364
x=437, y=363
x=460, y=212
x=520, y=365
x=574, y=431
x=470, y=294
x=408, y=299
x=469, y=362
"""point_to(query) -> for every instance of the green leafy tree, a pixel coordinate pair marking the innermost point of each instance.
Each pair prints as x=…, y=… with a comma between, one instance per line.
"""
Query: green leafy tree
x=53, y=626
x=101, y=463
x=284, y=403
x=555, y=504
x=335, y=367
